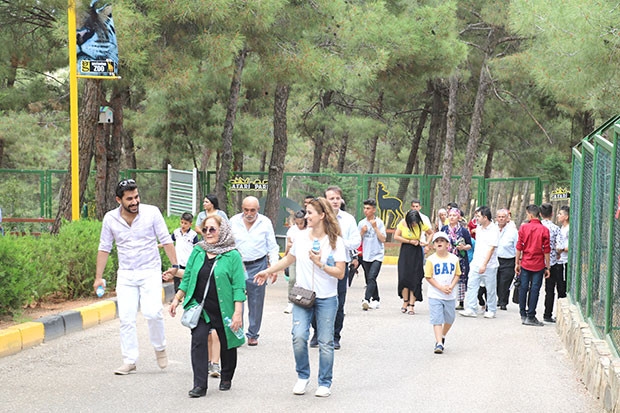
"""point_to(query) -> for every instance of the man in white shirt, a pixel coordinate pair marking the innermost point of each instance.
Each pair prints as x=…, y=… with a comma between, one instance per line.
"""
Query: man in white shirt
x=256, y=242
x=483, y=267
x=136, y=229
x=506, y=253
x=561, y=248
x=372, y=231
x=352, y=240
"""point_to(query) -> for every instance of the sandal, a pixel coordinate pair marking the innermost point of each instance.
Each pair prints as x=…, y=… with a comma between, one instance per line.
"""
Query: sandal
x=404, y=309
x=410, y=312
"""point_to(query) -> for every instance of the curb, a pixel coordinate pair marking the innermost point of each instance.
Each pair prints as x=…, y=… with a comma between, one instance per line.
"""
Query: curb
x=32, y=333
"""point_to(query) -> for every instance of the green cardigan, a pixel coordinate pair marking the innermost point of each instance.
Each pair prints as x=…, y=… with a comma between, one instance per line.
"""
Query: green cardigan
x=229, y=277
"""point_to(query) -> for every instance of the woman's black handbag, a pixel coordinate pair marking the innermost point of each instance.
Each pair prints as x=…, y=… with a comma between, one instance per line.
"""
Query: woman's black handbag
x=515, y=292
x=302, y=297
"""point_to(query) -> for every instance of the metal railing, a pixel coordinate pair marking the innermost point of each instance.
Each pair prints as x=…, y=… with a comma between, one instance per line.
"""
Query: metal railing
x=594, y=256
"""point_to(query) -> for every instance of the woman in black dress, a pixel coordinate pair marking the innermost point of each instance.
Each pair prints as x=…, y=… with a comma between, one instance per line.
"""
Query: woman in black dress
x=411, y=259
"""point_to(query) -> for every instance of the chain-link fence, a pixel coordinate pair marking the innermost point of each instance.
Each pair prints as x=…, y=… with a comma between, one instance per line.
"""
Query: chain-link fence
x=594, y=258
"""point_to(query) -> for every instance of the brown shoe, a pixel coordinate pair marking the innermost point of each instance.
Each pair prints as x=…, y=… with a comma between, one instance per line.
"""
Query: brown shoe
x=162, y=359
x=252, y=342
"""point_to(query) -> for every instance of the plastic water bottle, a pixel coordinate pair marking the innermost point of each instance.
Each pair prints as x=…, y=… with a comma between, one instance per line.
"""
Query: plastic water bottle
x=238, y=333
x=330, y=261
x=316, y=246
x=101, y=289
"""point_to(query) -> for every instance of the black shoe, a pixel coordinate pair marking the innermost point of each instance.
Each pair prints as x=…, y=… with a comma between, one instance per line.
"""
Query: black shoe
x=549, y=320
x=314, y=341
x=533, y=321
x=198, y=392
x=336, y=344
x=503, y=307
x=523, y=319
x=225, y=385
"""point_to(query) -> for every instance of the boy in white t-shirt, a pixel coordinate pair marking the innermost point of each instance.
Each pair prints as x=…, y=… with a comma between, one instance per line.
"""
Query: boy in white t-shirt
x=442, y=271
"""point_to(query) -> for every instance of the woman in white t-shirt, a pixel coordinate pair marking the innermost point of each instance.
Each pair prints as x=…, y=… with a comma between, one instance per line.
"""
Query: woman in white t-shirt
x=319, y=272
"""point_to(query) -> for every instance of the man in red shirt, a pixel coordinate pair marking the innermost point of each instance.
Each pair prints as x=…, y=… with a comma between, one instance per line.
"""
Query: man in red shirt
x=532, y=262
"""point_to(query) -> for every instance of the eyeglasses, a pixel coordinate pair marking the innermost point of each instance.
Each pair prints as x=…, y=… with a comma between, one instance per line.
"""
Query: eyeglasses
x=210, y=230
x=126, y=182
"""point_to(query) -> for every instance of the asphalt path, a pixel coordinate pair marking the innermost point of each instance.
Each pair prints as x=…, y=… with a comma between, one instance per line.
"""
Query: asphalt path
x=386, y=364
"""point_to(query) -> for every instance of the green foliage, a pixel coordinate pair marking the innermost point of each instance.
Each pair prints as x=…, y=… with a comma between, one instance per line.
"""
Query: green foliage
x=33, y=268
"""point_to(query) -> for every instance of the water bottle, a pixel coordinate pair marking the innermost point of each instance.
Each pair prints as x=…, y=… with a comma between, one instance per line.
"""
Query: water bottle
x=316, y=246
x=330, y=261
x=101, y=289
x=238, y=333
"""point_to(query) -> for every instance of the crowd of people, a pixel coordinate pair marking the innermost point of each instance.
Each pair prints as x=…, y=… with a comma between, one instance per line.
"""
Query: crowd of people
x=468, y=265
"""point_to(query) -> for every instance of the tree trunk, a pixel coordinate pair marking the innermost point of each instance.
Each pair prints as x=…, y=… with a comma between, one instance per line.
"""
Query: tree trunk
x=464, y=197
x=488, y=166
x=2, y=144
x=227, y=135
x=319, y=140
x=448, y=154
x=278, y=155
x=371, y=160
x=115, y=144
x=413, y=152
x=342, y=152
x=434, y=131
x=101, y=166
x=92, y=96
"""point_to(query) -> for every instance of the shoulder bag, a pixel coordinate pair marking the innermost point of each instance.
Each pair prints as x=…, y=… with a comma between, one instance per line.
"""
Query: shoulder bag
x=192, y=315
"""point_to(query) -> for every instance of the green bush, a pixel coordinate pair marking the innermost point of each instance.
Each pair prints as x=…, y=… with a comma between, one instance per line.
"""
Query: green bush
x=63, y=265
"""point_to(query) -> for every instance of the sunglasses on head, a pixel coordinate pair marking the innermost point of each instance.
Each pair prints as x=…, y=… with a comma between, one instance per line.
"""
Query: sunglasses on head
x=210, y=230
x=126, y=182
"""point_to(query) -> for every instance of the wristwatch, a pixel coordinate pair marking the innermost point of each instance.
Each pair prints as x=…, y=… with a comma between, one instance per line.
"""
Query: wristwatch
x=176, y=266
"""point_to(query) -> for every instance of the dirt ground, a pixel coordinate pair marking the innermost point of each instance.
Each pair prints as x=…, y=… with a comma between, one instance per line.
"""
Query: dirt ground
x=47, y=307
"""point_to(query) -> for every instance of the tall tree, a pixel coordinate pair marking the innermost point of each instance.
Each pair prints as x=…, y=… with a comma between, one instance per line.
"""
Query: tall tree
x=448, y=155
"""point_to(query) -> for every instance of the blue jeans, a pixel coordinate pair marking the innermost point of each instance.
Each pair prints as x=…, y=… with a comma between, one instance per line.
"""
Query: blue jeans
x=473, y=284
x=256, y=298
x=531, y=281
x=324, y=311
x=371, y=272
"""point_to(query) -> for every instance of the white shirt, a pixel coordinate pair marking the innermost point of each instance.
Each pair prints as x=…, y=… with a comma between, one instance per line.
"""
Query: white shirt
x=442, y=270
x=564, y=244
x=136, y=244
x=507, y=246
x=256, y=242
x=486, y=238
x=372, y=248
x=202, y=215
x=350, y=235
x=324, y=284
x=293, y=232
x=184, y=244
x=426, y=220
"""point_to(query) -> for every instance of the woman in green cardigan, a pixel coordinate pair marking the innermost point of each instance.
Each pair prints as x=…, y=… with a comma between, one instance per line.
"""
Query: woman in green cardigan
x=214, y=265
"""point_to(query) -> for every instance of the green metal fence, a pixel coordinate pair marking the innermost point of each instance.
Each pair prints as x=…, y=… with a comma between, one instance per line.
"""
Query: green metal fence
x=594, y=256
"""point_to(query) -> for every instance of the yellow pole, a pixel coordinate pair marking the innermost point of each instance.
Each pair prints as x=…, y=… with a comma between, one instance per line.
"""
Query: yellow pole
x=73, y=99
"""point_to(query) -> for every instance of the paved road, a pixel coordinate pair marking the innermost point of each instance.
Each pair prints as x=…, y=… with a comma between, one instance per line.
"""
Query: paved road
x=386, y=365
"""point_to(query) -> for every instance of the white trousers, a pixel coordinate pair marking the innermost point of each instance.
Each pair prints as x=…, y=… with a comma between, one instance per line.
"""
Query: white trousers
x=139, y=289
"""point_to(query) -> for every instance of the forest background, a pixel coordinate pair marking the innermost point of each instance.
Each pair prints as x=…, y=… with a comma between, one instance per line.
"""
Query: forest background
x=464, y=87
x=469, y=87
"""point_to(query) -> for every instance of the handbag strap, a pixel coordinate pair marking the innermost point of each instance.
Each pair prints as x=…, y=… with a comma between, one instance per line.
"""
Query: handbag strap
x=204, y=297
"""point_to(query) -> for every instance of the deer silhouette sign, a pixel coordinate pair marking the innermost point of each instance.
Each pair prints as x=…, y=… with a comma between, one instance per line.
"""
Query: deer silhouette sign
x=389, y=206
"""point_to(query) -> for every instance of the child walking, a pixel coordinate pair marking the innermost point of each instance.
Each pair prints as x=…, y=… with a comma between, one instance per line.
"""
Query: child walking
x=442, y=271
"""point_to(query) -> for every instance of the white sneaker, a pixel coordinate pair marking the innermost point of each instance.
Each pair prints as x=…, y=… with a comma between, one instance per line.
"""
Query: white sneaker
x=468, y=313
x=301, y=386
x=374, y=305
x=125, y=369
x=489, y=314
x=289, y=308
x=323, y=391
x=365, y=305
x=162, y=359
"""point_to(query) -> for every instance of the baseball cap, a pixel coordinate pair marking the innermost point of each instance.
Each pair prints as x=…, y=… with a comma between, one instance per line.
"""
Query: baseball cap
x=440, y=234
